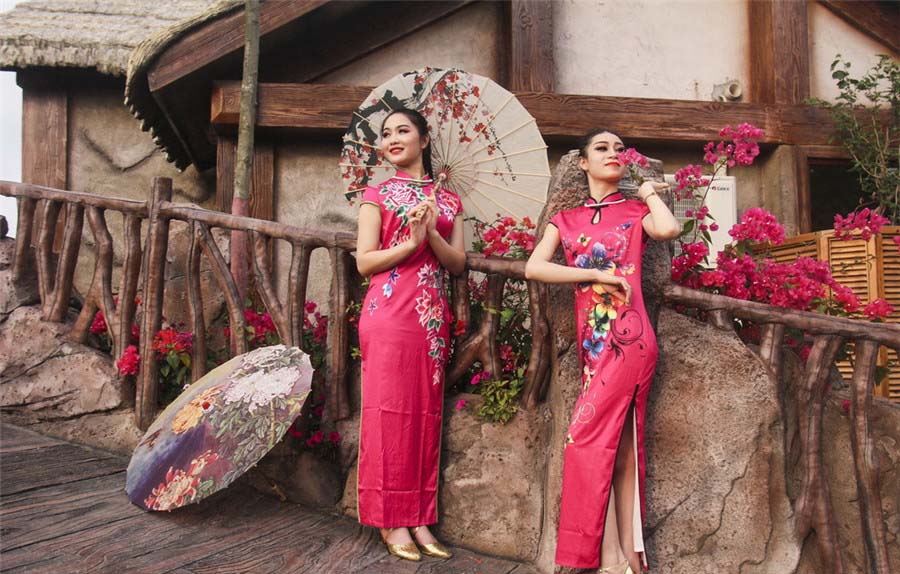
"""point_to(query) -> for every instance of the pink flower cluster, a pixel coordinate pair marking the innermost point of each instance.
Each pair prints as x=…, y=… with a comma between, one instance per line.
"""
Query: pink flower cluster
x=506, y=237
x=632, y=156
x=866, y=221
x=482, y=376
x=172, y=340
x=878, y=309
x=318, y=437
x=738, y=147
x=316, y=322
x=130, y=362
x=758, y=226
x=687, y=179
x=259, y=325
x=692, y=255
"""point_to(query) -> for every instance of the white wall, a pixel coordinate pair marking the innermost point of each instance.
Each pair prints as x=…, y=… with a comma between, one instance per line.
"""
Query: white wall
x=677, y=49
x=10, y=134
x=830, y=35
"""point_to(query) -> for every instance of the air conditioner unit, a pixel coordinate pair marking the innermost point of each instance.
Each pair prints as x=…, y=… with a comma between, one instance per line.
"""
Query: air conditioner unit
x=722, y=203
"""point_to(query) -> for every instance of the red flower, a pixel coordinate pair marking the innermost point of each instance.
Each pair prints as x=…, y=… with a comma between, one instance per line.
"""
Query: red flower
x=130, y=362
x=98, y=325
x=459, y=328
x=878, y=309
x=866, y=221
x=334, y=437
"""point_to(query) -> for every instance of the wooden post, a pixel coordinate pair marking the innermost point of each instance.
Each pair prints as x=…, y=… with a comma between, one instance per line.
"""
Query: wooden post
x=244, y=155
x=154, y=288
x=530, y=49
x=864, y=458
x=337, y=400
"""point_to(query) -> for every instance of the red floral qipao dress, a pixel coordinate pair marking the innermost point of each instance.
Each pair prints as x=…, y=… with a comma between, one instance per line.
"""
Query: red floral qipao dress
x=404, y=333
x=618, y=357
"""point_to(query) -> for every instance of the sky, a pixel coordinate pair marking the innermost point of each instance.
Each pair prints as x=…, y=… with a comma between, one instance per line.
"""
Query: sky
x=10, y=134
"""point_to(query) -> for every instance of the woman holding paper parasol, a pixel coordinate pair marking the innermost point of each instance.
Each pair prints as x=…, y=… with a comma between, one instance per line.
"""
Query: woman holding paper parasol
x=410, y=235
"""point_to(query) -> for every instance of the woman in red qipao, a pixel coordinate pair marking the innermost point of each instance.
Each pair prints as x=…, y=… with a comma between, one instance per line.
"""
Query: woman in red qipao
x=603, y=468
x=410, y=235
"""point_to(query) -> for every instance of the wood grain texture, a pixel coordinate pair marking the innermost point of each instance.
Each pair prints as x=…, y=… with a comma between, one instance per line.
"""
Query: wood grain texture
x=324, y=108
x=530, y=51
x=219, y=38
x=779, y=51
x=84, y=523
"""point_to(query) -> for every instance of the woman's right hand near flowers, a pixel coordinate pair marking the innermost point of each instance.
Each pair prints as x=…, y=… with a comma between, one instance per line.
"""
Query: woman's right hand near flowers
x=616, y=286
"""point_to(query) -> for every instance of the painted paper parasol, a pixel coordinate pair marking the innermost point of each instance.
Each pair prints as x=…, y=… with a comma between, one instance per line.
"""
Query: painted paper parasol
x=218, y=428
x=485, y=145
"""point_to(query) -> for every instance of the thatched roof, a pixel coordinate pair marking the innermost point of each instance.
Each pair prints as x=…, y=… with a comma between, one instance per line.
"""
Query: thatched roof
x=137, y=90
x=93, y=34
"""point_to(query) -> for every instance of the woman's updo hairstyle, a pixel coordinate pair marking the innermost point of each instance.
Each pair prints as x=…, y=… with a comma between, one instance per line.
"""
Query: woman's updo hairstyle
x=421, y=124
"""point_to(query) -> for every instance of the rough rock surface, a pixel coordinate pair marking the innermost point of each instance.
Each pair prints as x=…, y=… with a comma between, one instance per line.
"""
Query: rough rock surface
x=14, y=294
x=51, y=378
x=716, y=495
x=493, y=480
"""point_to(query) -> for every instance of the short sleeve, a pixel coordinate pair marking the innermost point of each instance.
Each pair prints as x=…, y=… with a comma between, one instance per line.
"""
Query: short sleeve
x=644, y=212
x=556, y=220
x=370, y=195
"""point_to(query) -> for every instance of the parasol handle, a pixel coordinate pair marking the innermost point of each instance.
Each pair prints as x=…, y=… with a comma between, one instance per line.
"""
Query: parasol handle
x=441, y=178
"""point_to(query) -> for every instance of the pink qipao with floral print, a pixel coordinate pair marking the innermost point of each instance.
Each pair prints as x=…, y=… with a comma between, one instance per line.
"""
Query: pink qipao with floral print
x=618, y=356
x=404, y=332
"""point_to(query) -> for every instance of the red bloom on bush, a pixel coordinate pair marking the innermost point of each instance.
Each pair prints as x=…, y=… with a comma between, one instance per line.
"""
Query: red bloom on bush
x=172, y=340
x=334, y=437
x=758, y=226
x=129, y=363
x=878, y=309
x=98, y=325
x=866, y=221
x=459, y=328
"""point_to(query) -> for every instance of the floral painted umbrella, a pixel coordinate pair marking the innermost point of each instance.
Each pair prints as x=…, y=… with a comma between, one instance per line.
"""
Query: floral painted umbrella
x=220, y=427
x=485, y=145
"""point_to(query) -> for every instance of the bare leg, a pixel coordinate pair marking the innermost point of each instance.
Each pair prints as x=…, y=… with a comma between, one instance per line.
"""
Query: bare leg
x=624, y=483
x=396, y=535
x=611, y=548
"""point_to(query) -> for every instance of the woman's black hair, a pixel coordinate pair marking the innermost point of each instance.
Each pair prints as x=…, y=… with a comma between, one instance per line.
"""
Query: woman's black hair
x=421, y=124
x=585, y=141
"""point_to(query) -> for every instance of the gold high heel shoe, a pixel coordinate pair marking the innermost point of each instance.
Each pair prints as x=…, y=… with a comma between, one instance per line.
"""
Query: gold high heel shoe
x=435, y=549
x=609, y=569
x=407, y=551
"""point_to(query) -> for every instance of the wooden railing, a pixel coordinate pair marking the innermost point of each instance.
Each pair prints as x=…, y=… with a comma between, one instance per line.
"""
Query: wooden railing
x=813, y=508
x=287, y=316
x=144, y=271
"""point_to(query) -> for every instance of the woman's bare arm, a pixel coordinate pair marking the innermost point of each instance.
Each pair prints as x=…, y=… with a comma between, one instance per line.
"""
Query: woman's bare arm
x=540, y=268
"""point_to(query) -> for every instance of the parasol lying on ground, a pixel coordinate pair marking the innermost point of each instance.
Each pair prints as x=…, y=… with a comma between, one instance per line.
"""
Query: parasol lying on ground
x=218, y=428
x=484, y=142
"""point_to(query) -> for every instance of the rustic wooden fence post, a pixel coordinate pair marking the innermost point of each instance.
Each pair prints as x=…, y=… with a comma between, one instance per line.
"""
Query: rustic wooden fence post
x=154, y=284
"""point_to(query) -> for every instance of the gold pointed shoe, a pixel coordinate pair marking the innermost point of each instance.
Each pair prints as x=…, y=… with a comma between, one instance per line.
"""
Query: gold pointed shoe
x=408, y=551
x=435, y=549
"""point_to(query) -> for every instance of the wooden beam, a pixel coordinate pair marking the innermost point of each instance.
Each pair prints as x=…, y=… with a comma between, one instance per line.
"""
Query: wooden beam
x=804, y=195
x=878, y=20
x=323, y=108
x=779, y=51
x=530, y=50
x=225, y=152
x=219, y=38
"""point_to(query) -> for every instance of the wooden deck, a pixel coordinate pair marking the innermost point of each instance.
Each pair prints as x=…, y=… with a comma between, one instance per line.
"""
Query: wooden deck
x=63, y=510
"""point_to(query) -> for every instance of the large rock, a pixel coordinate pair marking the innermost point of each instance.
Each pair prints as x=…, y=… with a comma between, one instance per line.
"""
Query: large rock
x=716, y=495
x=14, y=294
x=50, y=378
x=492, y=493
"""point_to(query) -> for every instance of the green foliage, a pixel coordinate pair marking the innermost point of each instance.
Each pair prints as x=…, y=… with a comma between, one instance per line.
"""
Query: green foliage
x=501, y=397
x=859, y=113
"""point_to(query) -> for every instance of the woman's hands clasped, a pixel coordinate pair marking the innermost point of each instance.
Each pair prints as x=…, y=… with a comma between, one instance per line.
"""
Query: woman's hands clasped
x=422, y=220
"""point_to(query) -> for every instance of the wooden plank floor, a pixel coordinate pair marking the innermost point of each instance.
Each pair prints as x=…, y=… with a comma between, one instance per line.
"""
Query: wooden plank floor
x=63, y=509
